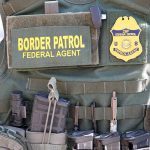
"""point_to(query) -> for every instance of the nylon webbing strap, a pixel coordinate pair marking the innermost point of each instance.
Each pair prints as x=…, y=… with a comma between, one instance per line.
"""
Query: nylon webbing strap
x=105, y=113
x=51, y=7
x=13, y=6
x=131, y=112
x=83, y=112
x=53, y=96
x=70, y=87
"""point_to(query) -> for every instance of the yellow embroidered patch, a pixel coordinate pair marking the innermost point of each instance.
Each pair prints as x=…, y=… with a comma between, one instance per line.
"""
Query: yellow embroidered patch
x=126, y=42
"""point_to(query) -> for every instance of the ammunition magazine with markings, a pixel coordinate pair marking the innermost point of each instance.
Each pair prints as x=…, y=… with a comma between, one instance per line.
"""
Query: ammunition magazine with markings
x=39, y=112
x=75, y=74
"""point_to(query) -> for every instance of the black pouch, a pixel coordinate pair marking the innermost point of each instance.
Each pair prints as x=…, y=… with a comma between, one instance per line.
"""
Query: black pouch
x=109, y=141
x=81, y=140
x=134, y=140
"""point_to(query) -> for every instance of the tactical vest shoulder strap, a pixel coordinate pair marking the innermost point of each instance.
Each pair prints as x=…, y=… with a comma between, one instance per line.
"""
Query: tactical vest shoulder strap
x=14, y=6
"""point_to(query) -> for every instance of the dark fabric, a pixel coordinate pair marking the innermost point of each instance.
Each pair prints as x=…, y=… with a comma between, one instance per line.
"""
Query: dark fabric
x=115, y=71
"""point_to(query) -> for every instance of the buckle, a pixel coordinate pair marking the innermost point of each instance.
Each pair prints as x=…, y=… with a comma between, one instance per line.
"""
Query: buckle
x=11, y=133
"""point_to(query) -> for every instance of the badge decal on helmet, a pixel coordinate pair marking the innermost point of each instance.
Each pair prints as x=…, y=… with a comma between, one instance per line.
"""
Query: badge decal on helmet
x=126, y=42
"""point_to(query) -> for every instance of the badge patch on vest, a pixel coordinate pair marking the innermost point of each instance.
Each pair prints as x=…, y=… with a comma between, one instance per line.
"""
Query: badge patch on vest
x=126, y=43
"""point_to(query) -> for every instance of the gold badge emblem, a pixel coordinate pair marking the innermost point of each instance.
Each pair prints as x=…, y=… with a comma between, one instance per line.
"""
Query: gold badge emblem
x=126, y=43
